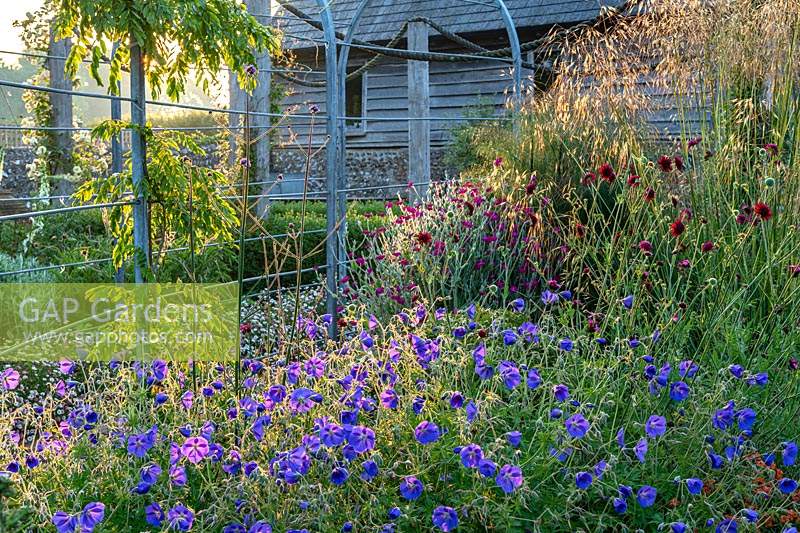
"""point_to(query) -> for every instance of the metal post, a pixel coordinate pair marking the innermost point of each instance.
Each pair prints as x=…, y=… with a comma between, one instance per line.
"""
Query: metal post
x=116, y=152
x=141, y=230
x=419, y=102
x=516, y=54
x=341, y=169
x=333, y=157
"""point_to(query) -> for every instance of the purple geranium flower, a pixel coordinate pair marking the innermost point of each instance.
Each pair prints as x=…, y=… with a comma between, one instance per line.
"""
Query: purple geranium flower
x=471, y=455
x=411, y=488
x=427, y=432
x=180, y=517
x=445, y=518
x=577, y=426
x=195, y=449
x=655, y=426
x=362, y=439
x=509, y=478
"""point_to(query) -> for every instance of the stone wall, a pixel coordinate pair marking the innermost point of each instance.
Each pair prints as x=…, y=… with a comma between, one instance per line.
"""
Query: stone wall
x=15, y=172
x=15, y=179
x=365, y=168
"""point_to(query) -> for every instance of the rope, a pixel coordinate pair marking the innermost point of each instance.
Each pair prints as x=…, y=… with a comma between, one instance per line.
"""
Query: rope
x=395, y=40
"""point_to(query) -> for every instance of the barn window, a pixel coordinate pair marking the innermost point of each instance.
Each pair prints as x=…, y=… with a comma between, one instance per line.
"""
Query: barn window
x=356, y=105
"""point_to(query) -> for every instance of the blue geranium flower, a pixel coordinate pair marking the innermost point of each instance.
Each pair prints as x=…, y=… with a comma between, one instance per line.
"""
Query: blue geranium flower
x=471, y=455
x=787, y=485
x=445, y=518
x=583, y=480
x=427, y=432
x=509, y=478
x=577, y=426
x=646, y=496
x=694, y=485
x=411, y=488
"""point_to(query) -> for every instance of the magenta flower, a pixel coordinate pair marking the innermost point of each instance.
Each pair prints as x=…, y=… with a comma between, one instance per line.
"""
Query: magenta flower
x=195, y=449
x=10, y=379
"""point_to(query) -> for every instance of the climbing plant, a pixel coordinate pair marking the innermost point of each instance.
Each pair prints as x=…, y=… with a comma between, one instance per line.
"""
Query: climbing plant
x=171, y=179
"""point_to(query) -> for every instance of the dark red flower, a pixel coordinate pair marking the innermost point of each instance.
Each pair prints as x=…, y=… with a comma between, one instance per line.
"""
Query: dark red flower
x=649, y=194
x=633, y=180
x=531, y=186
x=646, y=247
x=607, y=173
x=794, y=270
x=678, y=163
x=588, y=178
x=763, y=211
x=771, y=148
x=423, y=237
x=580, y=230
x=665, y=163
x=677, y=228
x=684, y=263
x=694, y=142
x=707, y=246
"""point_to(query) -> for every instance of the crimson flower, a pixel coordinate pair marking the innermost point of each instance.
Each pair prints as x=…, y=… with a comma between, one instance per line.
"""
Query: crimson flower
x=665, y=163
x=677, y=228
x=763, y=211
x=607, y=173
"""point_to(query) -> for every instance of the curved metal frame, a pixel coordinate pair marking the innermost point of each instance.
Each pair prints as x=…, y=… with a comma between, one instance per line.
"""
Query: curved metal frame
x=344, y=55
x=332, y=112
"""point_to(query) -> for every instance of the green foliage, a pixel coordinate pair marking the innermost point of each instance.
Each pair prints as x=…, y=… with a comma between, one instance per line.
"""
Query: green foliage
x=465, y=138
x=177, y=37
x=82, y=236
x=170, y=178
x=11, y=519
x=14, y=263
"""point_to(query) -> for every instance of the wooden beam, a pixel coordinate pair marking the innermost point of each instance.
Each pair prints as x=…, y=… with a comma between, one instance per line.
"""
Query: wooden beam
x=260, y=101
x=419, y=102
x=61, y=105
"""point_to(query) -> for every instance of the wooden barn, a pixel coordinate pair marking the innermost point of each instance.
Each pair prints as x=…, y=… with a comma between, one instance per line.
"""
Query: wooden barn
x=379, y=99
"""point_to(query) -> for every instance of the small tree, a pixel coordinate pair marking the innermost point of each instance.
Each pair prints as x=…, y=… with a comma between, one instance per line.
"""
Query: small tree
x=175, y=38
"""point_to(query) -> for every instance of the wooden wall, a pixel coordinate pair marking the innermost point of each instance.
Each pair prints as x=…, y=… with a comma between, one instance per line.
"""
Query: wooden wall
x=454, y=89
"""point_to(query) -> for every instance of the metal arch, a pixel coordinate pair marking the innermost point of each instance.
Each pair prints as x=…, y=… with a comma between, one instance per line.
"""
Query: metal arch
x=508, y=21
x=516, y=51
x=344, y=55
x=341, y=172
x=332, y=112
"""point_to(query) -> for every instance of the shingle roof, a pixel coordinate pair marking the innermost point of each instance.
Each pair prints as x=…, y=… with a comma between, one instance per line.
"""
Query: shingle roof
x=382, y=18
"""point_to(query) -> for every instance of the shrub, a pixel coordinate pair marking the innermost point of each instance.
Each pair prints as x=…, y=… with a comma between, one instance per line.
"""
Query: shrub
x=14, y=263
